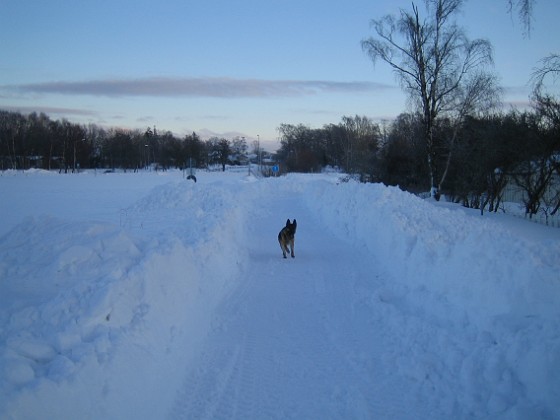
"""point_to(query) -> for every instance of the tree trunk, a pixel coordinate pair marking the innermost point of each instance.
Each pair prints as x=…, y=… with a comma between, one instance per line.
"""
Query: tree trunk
x=432, y=164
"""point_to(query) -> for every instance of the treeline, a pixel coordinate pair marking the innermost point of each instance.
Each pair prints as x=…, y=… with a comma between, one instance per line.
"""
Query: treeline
x=479, y=158
x=35, y=140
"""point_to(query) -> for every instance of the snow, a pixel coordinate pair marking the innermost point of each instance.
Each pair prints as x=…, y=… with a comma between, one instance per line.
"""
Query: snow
x=147, y=295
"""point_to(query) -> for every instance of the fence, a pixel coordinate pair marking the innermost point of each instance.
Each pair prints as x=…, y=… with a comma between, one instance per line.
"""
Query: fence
x=513, y=198
x=513, y=204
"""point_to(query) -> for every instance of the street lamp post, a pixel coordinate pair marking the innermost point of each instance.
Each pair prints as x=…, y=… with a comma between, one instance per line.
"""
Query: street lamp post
x=259, y=151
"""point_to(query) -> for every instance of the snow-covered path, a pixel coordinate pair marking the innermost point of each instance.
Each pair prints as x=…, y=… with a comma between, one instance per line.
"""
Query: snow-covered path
x=149, y=296
x=293, y=340
x=310, y=337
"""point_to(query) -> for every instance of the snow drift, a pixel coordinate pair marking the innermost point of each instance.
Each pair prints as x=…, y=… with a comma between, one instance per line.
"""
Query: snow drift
x=104, y=306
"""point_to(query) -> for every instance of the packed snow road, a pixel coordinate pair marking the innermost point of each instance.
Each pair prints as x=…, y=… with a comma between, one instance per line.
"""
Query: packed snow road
x=150, y=296
x=296, y=338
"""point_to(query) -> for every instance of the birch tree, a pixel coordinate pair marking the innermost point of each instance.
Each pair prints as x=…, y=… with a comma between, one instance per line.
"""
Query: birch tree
x=443, y=72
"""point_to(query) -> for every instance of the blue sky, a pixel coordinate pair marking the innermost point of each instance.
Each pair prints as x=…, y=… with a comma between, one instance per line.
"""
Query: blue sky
x=229, y=67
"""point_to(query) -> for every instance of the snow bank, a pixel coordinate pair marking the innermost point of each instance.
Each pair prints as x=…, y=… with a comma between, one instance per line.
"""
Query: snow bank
x=471, y=274
x=475, y=262
x=86, y=301
x=109, y=284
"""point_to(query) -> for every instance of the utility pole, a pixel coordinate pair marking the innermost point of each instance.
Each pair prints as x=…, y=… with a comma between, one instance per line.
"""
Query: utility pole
x=259, y=152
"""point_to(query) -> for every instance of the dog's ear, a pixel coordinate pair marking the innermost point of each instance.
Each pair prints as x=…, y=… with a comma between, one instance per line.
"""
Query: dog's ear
x=288, y=222
x=294, y=223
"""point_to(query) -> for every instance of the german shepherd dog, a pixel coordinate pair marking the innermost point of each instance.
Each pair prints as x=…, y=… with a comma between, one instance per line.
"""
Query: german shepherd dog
x=286, y=238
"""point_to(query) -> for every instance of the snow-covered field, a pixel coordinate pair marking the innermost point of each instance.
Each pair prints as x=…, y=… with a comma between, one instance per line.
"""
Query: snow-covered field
x=150, y=296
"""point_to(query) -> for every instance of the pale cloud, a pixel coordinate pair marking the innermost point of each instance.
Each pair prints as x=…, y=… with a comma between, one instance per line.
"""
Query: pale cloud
x=517, y=90
x=48, y=110
x=198, y=87
x=145, y=119
x=517, y=105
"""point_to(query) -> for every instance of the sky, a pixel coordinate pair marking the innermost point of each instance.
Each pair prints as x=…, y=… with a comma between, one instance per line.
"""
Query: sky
x=228, y=68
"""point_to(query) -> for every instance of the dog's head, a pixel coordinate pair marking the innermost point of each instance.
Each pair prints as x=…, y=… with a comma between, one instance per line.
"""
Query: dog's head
x=291, y=227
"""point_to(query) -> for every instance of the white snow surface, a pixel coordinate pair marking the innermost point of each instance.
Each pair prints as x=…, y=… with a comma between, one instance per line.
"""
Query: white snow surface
x=149, y=296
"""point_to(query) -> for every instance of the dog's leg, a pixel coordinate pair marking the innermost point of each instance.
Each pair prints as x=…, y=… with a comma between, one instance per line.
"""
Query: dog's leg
x=292, y=243
x=284, y=250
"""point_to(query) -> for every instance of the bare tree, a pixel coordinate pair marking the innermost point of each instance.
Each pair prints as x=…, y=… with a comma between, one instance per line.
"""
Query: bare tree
x=524, y=10
x=440, y=68
x=361, y=138
x=549, y=66
x=223, y=152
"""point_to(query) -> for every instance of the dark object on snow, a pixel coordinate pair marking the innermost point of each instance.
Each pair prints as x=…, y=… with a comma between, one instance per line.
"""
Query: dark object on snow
x=287, y=237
